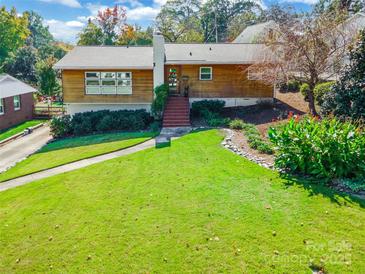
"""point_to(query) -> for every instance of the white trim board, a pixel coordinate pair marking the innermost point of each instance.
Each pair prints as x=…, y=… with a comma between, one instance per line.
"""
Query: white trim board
x=235, y=102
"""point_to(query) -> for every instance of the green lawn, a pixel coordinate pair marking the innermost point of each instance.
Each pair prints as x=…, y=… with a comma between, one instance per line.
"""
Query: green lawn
x=192, y=207
x=72, y=149
x=6, y=133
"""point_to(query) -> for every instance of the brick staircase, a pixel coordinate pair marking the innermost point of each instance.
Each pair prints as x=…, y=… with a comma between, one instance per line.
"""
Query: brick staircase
x=177, y=112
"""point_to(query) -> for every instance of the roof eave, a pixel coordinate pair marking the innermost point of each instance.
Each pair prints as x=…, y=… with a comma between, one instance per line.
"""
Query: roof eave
x=183, y=62
x=101, y=67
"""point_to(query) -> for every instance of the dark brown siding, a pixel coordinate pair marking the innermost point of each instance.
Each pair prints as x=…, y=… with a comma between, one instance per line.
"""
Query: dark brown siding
x=73, y=82
x=12, y=117
x=229, y=81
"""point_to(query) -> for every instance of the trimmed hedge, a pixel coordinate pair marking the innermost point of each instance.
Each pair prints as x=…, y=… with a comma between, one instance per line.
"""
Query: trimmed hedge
x=100, y=121
x=211, y=111
x=199, y=108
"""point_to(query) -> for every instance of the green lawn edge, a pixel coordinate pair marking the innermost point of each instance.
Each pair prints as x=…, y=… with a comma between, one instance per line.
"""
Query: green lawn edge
x=143, y=140
x=9, y=132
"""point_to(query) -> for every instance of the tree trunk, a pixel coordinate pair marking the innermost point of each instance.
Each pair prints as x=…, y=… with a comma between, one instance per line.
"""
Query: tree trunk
x=312, y=106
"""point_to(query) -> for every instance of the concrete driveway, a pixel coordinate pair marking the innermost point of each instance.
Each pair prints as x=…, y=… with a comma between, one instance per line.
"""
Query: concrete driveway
x=22, y=147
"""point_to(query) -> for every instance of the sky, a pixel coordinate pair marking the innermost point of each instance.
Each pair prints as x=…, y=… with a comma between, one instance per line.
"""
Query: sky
x=66, y=18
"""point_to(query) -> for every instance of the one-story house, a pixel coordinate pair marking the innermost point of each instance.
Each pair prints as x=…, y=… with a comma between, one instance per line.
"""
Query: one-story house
x=123, y=77
x=255, y=33
x=16, y=101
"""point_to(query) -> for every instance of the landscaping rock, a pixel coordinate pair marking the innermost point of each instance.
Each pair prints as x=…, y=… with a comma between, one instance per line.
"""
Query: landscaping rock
x=227, y=143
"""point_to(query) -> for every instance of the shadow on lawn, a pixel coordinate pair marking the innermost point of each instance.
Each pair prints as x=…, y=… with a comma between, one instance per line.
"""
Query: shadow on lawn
x=319, y=188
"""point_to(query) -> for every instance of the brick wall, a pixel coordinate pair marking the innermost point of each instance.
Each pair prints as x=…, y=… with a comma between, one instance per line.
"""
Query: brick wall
x=12, y=117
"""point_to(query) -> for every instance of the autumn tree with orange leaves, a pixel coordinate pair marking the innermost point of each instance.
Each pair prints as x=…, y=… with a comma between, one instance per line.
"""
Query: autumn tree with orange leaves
x=105, y=28
x=112, y=22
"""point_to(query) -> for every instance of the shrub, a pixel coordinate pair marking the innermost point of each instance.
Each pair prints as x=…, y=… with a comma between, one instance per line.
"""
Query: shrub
x=158, y=104
x=218, y=122
x=155, y=126
x=61, y=126
x=83, y=128
x=236, y=124
x=106, y=123
x=347, y=99
x=100, y=121
x=290, y=86
x=255, y=139
x=215, y=106
x=323, y=149
x=304, y=89
x=320, y=90
x=293, y=86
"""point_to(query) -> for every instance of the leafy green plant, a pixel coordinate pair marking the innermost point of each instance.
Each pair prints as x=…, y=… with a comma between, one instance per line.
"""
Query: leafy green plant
x=61, y=126
x=236, y=124
x=211, y=111
x=214, y=119
x=159, y=102
x=354, y=184
x=290, y=86
x=218, y=122
x=254, y=137
x=304, y=89
x=321, y=90
x=322, y=149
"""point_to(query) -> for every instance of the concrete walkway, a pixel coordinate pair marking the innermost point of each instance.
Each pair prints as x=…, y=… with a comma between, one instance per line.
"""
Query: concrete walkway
x=20, y=148
x=73, y=166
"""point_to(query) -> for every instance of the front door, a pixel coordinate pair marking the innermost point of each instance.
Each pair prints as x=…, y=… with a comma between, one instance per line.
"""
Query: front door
x=173, y=78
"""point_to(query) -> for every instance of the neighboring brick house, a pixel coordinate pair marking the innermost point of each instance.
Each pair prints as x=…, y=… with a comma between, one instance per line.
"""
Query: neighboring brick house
x=16, y=101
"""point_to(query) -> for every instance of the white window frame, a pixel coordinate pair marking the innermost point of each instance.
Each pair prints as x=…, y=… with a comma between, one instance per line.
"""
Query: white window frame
x=16, y=108
x=2, y=107
x=124, y=89
x=92, y=87
x=211, y=73
x=115, y=89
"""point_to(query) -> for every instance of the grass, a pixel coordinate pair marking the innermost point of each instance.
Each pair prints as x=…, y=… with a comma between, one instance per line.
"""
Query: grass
x=6, y=133
x=73, y=149
x=192, y=207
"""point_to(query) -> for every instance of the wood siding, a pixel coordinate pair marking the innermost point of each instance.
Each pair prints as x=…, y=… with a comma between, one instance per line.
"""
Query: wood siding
x=73, y=82
x=229, y=81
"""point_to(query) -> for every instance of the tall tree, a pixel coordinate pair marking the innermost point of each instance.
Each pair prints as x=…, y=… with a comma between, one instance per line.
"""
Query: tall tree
x=216, y=16
x=347, y=98
x=47, y=78
x=39, y=33
x=240, y=22
x=310, y=49
x=178, y=21
x=91, y=35
x=21, y=64
x=112, y=22
x=350, y=6
x=134, y=35
x=13, y=32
